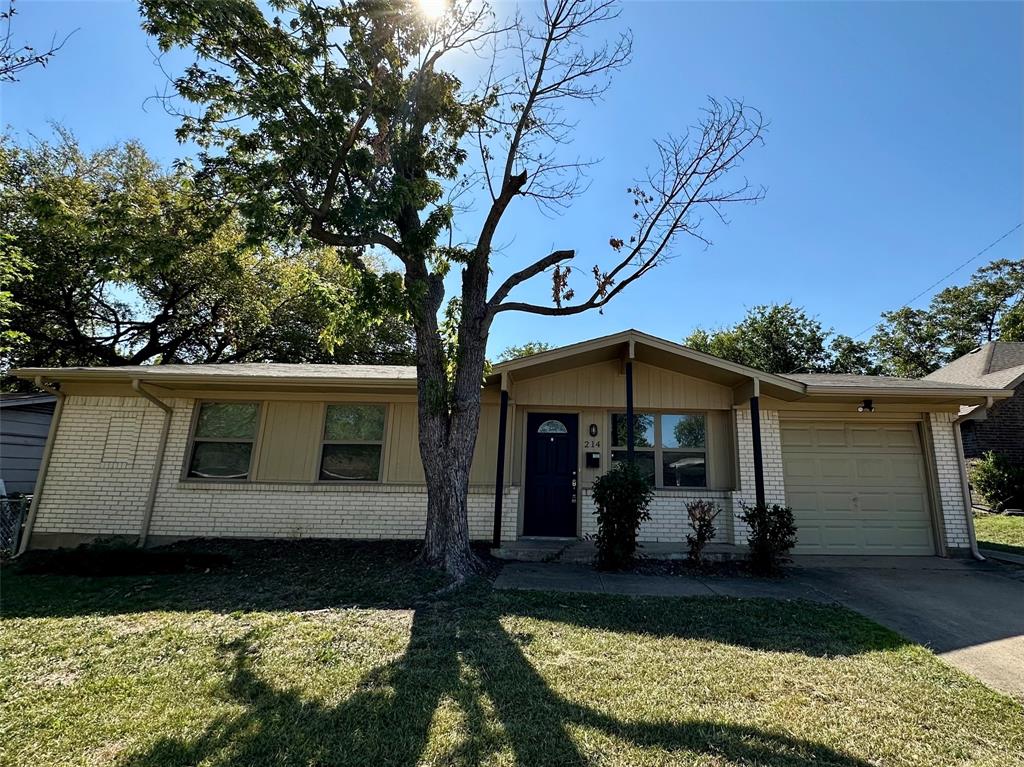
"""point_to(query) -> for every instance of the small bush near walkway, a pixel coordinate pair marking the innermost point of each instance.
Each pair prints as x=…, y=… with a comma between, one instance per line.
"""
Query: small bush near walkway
x=702, y=515
x=621, y=496
x=772, y=536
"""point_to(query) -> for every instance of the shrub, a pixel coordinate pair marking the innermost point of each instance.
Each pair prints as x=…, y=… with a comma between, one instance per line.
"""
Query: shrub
x=702, y=516
x=999, y=481
x=622, y=496
x=772, y=535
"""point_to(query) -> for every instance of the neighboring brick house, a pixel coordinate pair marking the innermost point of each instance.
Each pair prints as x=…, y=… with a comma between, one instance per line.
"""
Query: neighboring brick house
x=1000, y=426
x=155, y=453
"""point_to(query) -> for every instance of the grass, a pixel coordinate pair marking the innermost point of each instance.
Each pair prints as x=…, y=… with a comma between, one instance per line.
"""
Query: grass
x=327, y=654
x=1000, y=532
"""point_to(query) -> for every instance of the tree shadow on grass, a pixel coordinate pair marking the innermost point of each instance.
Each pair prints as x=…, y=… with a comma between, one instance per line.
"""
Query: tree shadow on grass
x=459, y=654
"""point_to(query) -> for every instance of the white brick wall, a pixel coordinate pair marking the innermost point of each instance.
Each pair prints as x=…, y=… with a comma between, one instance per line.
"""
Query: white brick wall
x=87, y=493
x=771, y=461
x=94, y=488
x=950, y=491
x=668, y=522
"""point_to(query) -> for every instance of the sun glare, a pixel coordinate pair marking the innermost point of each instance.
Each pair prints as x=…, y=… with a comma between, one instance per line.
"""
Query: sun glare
x=433, y=9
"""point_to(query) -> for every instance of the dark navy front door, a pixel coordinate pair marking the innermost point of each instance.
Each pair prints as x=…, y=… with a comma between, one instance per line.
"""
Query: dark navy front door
x=549, y=507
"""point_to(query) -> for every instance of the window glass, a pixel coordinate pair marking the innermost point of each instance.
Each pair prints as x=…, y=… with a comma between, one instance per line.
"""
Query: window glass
x=220, y=460
x=552, y=427
x=643, y=430
x=682, y=469
x=354, y=423
x=680, y=431
x=227, y=420
x=350, y=463
x=644, y=459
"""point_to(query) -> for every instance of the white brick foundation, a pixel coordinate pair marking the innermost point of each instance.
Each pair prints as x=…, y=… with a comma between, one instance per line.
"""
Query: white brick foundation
x=668, y=522
x=99, y=489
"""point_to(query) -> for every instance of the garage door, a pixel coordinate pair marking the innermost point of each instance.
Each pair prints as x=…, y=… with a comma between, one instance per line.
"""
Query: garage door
x=857, y=489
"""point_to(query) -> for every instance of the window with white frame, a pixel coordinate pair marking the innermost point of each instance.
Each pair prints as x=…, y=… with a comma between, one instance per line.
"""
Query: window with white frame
x=671, y=448
x=222, y=440
x=353, y=443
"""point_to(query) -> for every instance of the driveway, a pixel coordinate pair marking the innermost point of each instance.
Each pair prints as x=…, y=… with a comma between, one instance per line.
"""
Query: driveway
x=969, y=613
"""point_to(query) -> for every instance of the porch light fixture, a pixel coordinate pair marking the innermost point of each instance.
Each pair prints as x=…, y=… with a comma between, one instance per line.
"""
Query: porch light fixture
x=866, y=407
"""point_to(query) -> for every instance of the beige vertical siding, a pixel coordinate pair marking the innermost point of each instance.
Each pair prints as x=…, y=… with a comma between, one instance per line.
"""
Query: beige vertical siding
x=289, y=442
x=604, y=385
x=402, y=445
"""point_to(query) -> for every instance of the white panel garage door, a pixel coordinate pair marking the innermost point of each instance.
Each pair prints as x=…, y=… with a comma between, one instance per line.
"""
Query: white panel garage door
x=857, y=488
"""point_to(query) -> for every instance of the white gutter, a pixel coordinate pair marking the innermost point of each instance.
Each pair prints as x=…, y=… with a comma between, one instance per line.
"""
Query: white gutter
x=965, y=489
x=44, y=463
x=154, y=480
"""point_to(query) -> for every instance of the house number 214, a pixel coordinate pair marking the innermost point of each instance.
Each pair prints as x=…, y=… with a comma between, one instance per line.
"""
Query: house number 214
x=591, y=443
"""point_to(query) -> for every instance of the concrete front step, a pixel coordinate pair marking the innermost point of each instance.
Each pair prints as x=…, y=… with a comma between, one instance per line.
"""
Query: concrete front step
x=574, y=551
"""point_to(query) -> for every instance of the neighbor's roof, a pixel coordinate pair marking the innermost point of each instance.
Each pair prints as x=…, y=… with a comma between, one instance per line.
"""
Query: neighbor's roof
x=996, y=365
x=28, y=399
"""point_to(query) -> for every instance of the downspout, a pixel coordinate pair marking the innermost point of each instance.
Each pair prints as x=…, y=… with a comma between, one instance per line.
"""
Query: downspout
x=154, y=481
x=965, y=489
x=44, y=463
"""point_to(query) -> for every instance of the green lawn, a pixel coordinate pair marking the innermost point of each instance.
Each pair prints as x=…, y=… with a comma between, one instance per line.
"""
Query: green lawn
x=999, y=532
x=325, y=654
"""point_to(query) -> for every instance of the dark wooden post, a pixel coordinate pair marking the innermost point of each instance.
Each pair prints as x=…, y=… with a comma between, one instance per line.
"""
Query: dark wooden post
x=755, y=430
x=499, y=473
x=629, y=411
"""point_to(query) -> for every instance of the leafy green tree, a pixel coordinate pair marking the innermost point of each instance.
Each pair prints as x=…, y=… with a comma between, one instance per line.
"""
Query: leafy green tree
x=110, y=261
x=775, y=338
x=348, y=123
x=848, y=355
x=523, y=350
x=914, y=342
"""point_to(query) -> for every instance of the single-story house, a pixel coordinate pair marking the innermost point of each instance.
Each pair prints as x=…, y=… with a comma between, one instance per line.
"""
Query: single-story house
x=997, y=425
x=24, y=424
x=869, y=465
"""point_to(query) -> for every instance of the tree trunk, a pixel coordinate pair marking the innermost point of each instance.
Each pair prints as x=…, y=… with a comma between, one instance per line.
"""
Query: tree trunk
x=449, y=417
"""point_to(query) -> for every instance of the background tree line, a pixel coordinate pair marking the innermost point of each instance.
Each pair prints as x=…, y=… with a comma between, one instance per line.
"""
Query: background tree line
x=907, y=343
x=108, y=259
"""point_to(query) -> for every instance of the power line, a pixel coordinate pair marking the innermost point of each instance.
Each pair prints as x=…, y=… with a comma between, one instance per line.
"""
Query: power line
x=947, y=276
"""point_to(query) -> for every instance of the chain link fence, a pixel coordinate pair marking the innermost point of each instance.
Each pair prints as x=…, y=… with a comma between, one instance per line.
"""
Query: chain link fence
x=13, y=512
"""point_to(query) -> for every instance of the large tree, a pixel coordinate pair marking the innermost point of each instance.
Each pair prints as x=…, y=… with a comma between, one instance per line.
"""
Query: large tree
x=109, y=260
x=782, y=338
x=914, y=342
x=348, y=122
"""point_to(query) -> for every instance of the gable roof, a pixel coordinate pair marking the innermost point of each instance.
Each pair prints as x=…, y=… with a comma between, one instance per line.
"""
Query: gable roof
x=667, y=354
x=653, y=350
x=995, y=365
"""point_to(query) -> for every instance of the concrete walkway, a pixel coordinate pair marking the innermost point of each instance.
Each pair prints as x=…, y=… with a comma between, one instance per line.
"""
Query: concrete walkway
x=969, y=613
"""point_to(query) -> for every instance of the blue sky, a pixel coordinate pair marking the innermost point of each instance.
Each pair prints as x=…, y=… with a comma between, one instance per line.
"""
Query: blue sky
x=895, y=151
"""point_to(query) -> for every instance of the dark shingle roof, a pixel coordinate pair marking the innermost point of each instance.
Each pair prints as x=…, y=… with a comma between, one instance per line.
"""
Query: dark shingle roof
x=849, y=380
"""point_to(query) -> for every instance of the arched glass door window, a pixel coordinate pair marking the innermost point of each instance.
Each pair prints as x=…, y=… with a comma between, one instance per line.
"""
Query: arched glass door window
x=552, y=426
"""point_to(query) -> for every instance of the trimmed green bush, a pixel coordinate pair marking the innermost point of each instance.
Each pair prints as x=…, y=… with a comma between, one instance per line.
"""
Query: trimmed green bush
x=772, y=536
x=702, y=516
x=999, y=481
x=622, y=496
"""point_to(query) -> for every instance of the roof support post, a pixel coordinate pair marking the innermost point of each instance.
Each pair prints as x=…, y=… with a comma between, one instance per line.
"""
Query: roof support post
x=44, y=463
x=154, y=480
x=630, y=427
x=755, y=433
x=499, y=472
